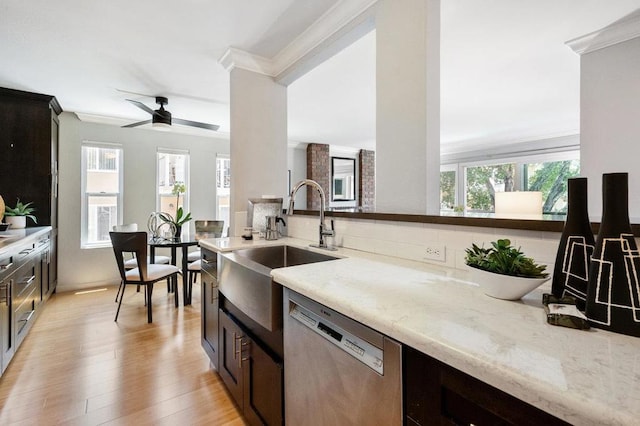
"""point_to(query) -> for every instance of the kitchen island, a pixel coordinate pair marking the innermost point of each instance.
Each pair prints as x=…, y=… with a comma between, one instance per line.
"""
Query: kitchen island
x=581, y=377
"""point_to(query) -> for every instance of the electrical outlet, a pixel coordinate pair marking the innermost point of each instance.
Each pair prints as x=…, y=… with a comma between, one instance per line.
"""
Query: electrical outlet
x=435, y=252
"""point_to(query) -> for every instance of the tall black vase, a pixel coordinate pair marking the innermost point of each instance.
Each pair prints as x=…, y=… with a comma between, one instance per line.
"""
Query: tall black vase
x=613, y=296
x=571, y=270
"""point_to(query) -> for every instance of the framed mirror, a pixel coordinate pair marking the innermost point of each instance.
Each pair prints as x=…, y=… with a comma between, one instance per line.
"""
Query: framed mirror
x=343, y=179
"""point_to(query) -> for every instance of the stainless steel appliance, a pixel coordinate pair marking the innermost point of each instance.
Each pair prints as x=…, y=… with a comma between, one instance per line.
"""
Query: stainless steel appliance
x=271, y=231
x=338, y=371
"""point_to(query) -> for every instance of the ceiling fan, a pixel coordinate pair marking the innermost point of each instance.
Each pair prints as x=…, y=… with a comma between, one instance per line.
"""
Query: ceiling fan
x=162, y=118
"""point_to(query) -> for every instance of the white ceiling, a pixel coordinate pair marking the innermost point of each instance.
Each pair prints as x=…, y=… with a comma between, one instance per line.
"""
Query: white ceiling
x=506, y=74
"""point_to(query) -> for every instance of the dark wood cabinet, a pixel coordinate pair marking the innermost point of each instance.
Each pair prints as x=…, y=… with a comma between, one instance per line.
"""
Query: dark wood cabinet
x=435, y=393
x=209, y=302
x=252, y=374
x=230, y=356
x=29, y=166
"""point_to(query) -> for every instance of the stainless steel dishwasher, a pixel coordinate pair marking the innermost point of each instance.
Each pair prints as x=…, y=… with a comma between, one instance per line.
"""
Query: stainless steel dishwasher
x=338, y=371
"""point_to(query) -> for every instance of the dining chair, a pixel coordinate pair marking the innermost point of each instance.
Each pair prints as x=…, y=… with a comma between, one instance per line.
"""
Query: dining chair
x=144, y=274
x=206, y=229
x=132, y=262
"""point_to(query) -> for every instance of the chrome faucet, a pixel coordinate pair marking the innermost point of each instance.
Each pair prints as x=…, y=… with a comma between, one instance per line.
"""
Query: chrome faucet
x=324, y=231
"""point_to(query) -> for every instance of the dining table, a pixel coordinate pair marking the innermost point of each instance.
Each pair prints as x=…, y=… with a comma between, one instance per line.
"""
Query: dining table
x=183, y=242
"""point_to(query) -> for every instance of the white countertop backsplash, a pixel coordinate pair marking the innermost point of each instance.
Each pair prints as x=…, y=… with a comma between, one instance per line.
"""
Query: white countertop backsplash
x=583, y=377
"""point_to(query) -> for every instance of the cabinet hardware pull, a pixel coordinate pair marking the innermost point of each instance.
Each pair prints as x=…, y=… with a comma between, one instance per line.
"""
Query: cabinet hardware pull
x=205, y=261
x=29, y=281
x=25, y=320
x=235, y=337
x=6, y=266
x=247, y=343
x=236, y=350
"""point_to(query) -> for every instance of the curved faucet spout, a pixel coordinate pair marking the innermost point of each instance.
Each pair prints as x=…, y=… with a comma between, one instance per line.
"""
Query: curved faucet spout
x=324, y=231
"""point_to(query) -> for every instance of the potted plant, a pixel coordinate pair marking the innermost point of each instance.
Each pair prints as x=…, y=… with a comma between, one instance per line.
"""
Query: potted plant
x=180, y=219
x=503, y=271
x=18, y=215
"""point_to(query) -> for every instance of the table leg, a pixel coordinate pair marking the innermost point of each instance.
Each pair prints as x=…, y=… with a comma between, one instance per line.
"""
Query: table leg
x=185, y=273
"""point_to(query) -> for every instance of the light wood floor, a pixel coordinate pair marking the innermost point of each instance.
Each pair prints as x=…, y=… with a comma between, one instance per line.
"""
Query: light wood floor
x=79, y=367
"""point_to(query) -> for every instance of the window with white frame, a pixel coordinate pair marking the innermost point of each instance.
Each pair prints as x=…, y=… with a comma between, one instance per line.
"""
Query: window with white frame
x=101, y=205
x=223, y=188
x=172, y=181
x=475, y=183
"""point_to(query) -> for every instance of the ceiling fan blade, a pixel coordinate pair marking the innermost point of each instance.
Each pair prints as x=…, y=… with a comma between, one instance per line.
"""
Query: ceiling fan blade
x=141, y=106
x=195, y=124
x=139, y=123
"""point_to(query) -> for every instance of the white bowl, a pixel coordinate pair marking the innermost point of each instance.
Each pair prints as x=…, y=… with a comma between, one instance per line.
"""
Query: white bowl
x=506, y=287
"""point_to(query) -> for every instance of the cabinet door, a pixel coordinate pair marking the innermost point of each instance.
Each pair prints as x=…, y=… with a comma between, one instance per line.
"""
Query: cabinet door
x=436, y=393
x=263, y=386
x=209, y=294
x=231, y=339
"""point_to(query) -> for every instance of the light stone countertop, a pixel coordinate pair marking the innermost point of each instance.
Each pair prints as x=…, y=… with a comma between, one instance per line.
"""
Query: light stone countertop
x=584, y=377
x=14, y=237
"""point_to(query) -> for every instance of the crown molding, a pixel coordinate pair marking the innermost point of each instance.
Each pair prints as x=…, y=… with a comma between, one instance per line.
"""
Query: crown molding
x=620, y=31
x=344, y=23
x=237, y=58
x=341, y=25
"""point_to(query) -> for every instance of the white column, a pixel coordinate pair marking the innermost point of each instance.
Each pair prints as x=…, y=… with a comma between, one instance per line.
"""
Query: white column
x=610, y=109
x=408, y=106
x=258, y=139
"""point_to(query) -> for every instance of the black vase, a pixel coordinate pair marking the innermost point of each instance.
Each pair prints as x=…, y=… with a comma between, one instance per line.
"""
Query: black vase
x=178, y=233
x=614, y=292
x=571, y=270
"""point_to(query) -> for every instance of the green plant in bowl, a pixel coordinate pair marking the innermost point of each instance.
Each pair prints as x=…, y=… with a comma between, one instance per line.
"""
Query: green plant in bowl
x=504, y=272
x=502, y=258
x=21, y=209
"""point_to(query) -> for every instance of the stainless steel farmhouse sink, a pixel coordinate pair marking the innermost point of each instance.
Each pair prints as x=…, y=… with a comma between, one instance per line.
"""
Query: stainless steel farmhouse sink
x=245, y=280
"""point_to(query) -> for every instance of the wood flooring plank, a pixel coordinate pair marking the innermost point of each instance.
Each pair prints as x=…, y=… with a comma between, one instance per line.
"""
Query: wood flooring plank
x=79, y=367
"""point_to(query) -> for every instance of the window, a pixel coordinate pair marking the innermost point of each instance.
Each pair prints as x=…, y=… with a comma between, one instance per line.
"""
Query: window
x=223, y=188
x=551, y=178
x=173, y=181
x=480, y=181
x=448, y=191
x=101, y=192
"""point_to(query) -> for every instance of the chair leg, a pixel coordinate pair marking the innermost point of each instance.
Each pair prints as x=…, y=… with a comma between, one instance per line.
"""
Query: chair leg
x=175, y=277
x=119, y=289
x=149, y=292
x=120, y=304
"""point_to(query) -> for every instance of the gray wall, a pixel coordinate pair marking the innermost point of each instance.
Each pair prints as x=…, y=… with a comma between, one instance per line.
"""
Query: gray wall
x=84, y=268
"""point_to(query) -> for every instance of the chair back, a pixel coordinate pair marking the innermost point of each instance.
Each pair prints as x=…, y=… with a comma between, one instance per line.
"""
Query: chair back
x=127, y=227
x=209, y=228
x=134, y=243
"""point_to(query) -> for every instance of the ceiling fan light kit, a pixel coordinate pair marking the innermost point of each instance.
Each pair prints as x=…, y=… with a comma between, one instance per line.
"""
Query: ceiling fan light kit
x=161, y=118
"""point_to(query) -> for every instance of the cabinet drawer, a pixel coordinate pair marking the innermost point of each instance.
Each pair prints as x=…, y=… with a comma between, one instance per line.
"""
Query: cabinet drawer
x=25, y=280
x=24, y=314
x=7, y=265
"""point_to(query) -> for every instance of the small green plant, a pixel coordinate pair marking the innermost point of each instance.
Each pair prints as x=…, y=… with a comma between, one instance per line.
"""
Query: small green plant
x=502, y=258
x=21, y=210
x=180, y=218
